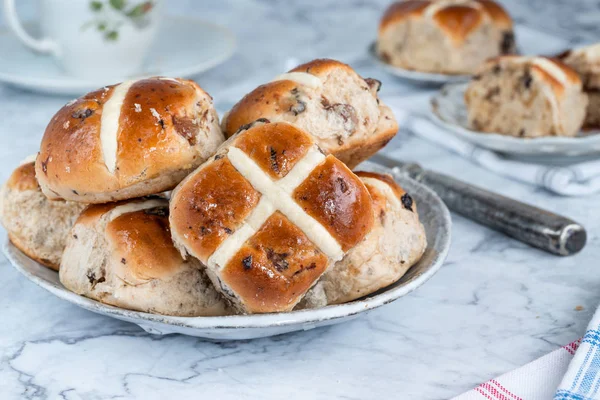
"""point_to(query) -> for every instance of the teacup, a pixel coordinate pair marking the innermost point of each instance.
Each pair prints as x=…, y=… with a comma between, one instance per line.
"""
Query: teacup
x=92, y=38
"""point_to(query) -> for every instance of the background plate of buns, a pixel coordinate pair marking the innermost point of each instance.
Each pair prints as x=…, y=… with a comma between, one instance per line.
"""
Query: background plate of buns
x=436, y=222
x=440, y=42
x=449, y=109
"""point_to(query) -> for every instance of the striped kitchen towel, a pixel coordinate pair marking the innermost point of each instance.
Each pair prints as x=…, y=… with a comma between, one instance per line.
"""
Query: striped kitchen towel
x=582, y=380
x=573, y=180
x=569, y=373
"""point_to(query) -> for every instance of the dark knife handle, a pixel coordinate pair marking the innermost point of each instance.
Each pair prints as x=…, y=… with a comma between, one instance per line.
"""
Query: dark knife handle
x=531, y=225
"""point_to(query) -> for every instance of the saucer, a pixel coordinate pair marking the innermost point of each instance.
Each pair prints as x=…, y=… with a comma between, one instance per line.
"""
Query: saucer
x=529, y=41
x=448, y=109
x=188, y=46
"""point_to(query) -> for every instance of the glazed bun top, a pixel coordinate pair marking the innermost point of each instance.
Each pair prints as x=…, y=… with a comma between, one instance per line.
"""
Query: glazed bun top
x=140, y=238
x=127, y=140
x=23, y=178
x=455, y=17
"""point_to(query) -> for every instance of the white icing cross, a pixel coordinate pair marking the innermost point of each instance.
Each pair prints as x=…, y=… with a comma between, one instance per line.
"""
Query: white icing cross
x=276, y=196
x=109, y=125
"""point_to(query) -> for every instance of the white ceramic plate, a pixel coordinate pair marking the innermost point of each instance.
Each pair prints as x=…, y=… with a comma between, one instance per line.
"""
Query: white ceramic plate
x=529, y=42
x=433, y=214
x=187, y=47
x=448, y=109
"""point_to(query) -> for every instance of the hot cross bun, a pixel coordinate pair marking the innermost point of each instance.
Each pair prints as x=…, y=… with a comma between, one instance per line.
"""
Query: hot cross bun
x=37, y=226
x=444, y=36
x=268, y=214
x=526, y=97
x=329, y=100
x=121, y=254
x=394, y=244
x=586, y=61
x=127, y=140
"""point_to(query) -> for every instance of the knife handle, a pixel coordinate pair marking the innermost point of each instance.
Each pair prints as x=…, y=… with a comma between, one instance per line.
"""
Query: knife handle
x=531, y=225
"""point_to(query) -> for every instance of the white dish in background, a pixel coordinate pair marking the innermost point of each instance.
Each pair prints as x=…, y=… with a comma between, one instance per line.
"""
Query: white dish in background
x=434, y=216
x=186, y=47
x=449, y=110
x=529, y=42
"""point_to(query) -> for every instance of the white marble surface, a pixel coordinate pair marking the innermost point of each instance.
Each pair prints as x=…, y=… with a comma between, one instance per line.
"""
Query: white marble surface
x=495, y=305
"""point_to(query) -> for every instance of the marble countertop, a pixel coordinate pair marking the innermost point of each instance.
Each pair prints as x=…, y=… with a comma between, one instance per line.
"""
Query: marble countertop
x=495, y=305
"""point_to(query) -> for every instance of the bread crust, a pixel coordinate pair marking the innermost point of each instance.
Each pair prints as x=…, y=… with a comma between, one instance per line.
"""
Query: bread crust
x=36, y=225
x=269, y=235
x=395, y=243
x=404, y=10
x=451, y=37
x=152, y=134
x=529, y=96
x=122, y=254
x=313, y=110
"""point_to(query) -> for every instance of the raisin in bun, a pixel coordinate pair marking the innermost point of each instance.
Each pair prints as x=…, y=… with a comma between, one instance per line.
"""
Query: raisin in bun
x=127, y=140
x=448, y=36
x=268, y=214
x=329, y=100
x=586, y=61
x=394, y=244
x=37, y=226
x=526, y=97
x=122, y=254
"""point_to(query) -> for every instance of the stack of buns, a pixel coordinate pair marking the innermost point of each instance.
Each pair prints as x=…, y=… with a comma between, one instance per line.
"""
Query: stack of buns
x=265, y=213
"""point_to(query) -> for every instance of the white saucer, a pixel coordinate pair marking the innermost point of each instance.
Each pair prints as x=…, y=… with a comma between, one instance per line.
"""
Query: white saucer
x=187, y=47
x=529, y=42
x=449, y=110
x=433, y=214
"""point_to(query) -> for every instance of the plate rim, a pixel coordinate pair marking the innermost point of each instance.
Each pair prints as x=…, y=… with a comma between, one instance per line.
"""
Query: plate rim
x=522, y=144
x=74, y=83
x=256, y=321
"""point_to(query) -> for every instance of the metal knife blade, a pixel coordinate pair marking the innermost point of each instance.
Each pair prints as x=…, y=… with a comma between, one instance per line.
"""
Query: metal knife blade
x=540, y=228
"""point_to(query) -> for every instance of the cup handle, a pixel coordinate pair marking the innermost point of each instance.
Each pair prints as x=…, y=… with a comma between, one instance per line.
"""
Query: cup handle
x=43, y=45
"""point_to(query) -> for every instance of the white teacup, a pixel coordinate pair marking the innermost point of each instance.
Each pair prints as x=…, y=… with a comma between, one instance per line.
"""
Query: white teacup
x=92, y=38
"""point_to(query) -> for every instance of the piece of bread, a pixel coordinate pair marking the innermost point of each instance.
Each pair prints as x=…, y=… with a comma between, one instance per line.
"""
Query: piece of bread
x=586, y=62
x=448, y=36
x=37, y=226
x=127, y=140
x=394, y=244
x=268, y=214
x=122, y=254
x=329, y=100
x=526, y=97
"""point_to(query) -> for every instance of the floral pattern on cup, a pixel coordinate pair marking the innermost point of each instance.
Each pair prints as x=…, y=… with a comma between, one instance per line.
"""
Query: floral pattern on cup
x=108, y=26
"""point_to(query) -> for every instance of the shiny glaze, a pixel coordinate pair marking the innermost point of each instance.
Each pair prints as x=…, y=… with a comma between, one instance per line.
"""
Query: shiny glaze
x=147, y=138
x=276, y=148
x=401, y=10
x=141, y=242
x=23, y=178
x=275, y=267
x=69, y=152
x=321, y=66
x=458, y=21
x=266, y=100
x=338, y=199
x=210, y=206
